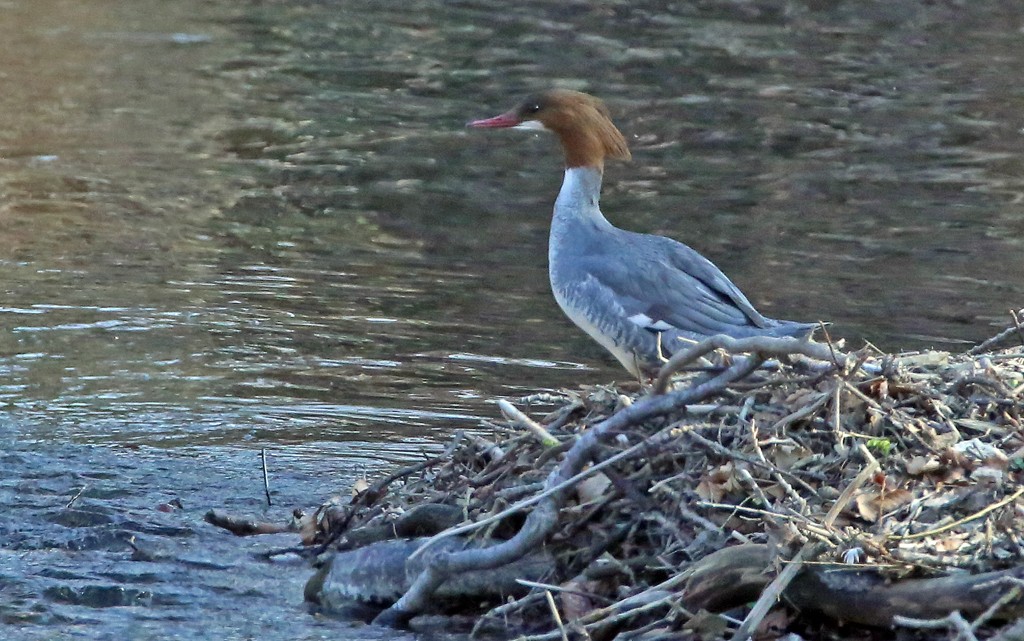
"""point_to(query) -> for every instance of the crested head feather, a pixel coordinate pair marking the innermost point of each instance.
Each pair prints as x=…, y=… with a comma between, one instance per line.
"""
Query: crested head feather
x=582, y=124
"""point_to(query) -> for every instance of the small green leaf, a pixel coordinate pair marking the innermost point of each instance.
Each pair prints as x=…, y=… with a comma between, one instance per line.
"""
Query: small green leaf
x=881, y=445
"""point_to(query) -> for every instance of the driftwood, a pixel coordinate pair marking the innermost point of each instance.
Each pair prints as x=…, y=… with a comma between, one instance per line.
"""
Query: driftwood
x=867, y=488
x=737, y=575
x=245, y=526
x=381, y=572
x=544, y=516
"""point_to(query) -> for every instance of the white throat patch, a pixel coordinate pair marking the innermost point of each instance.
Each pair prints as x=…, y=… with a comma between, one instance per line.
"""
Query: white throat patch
x=531, y=125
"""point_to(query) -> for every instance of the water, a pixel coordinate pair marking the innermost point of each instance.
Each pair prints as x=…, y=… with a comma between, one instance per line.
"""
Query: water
x=227, y=226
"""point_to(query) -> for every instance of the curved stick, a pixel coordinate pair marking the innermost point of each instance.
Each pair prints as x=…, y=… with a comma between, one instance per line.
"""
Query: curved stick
x=739, y=574
x=764, y=345
x=544, y=517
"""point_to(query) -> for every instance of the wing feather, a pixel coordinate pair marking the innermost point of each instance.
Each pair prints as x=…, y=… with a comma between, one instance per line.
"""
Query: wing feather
x=667, y=285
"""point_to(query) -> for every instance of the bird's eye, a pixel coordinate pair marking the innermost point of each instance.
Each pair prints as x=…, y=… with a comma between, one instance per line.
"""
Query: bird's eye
x=532, y=109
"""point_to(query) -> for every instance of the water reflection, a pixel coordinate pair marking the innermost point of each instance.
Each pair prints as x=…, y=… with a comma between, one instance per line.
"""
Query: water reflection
x=278, y=201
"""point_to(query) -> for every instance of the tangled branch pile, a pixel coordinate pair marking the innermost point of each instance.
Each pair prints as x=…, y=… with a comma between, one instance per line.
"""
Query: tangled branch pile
x=880, y=490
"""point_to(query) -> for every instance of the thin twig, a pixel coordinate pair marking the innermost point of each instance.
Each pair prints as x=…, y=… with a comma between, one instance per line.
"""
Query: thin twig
x=632, y=612
x=629, y=605
x=851, y=489
x=513, y=414
x=544, y=517
x=500, y=612
x=771, y=594
x=831, y=346
x=75, y=497
x=1013, y=594
x=989, y=342
x=797, y=519
x=1017, y=325
x=1013, y=632
x=803, y=412
x=977, y=515
x=762, y=345
x=266, y=476
x=775, y=472
x=953, y=621
x=749, y=480
x=861, y=395
x=648, y=442
x=555, y=615
x=697, y=519
x=549, y=587
x=733, y=455
x=836, y=407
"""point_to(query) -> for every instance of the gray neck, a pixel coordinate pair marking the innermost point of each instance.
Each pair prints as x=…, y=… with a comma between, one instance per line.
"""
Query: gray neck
x=578, y=199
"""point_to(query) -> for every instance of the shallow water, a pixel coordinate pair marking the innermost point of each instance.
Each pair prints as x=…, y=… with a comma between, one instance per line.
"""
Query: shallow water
x=227, y=226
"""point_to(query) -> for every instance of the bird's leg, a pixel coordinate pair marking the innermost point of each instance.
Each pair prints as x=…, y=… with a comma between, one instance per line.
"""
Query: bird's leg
x=661, y=354
x=661, y=357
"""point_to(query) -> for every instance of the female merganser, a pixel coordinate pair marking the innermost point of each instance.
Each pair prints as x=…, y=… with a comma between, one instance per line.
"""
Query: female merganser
x=640, y=296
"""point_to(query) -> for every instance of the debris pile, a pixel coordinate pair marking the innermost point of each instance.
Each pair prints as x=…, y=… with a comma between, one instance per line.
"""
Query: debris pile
x=867, y=489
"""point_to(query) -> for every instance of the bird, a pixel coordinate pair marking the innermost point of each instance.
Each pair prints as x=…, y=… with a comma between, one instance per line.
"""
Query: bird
x=641, y=296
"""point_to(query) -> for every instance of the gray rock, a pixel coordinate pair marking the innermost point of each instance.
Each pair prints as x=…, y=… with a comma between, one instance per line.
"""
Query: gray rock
x=380, y=573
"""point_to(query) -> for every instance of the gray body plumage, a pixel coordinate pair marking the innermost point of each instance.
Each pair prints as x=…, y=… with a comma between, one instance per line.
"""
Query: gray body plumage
x=627, y=289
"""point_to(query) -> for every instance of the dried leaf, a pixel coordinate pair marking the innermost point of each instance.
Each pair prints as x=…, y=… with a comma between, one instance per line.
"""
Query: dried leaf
x=879, y=389
x=867, y=506
x=719, y=482
x=876, y=420
x=592, y=488
x=923, y=465
x=360, y=486
x=873, y=504
x=787, y=455
x=774, y=490
x=707, y=625
x=309, y=527
x=952, y=459
x=936, y=439
x=950, y=543
x=574, y=600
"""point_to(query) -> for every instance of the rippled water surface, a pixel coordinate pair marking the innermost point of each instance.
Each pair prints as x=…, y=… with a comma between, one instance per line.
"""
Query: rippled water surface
x=227, y=226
